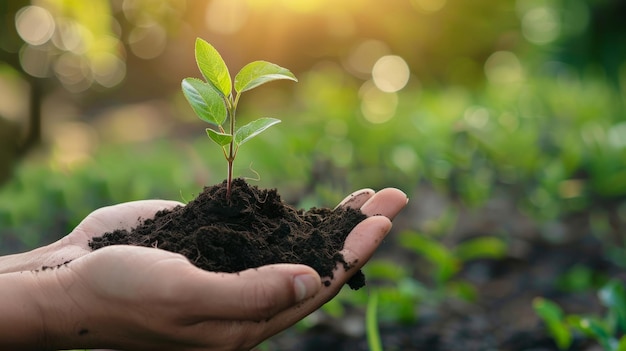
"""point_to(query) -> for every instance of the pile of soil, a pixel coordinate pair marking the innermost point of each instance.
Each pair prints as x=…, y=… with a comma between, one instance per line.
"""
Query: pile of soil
x=251, y=229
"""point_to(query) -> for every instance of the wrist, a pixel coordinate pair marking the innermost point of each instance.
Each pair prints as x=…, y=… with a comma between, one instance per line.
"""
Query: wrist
x=22, y=325
x=39, y=311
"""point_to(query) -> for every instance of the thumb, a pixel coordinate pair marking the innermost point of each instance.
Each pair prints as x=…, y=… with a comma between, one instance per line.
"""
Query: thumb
x=254, y=294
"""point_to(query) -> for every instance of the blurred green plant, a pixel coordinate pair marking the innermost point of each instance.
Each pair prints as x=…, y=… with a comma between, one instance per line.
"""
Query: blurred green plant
x=371, y=323
x=580, y=278
x=43, y=202
x=609, y=330
x=400, y=294
x=444, y=262
x=554, y=144
x=213, y=100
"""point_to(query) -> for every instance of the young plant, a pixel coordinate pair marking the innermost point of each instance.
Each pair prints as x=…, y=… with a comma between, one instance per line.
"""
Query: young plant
x=609, y=330
x=214, y=101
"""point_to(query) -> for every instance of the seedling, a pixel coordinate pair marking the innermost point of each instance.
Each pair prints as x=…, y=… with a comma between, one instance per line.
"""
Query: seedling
x=213, y=100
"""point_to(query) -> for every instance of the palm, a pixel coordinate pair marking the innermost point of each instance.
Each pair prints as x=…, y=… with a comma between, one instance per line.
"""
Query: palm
x=106, y=219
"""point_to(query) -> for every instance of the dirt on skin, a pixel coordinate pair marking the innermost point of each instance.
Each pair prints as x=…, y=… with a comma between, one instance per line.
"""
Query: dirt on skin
x=252, y=229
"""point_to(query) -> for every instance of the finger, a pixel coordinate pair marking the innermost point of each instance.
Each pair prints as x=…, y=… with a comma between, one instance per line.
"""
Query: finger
x=359, y=248
x=357, y=198
x=253, y=294
x=387, y=202
x=362, y=242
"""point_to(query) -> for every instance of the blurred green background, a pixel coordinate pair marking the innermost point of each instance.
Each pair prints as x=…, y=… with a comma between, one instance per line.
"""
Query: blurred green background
x=517, y=100
x=503, y=120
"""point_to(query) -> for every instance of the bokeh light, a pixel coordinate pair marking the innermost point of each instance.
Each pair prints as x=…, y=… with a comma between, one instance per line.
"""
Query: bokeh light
x=147, y=42
x=541, y=25
x=35, y=60
x=72, y=144
x=405, y=158
x=390, y=73
x=377, y=106
x=108, y=69
x=616, y=136
x=503, y=67
x=476, y=117
x=361, y=59
x=35, y=25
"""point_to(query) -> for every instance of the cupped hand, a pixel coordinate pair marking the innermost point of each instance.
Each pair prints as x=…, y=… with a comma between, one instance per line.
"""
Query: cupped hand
x=106, y=219
x=76, y=244
x=137, y=298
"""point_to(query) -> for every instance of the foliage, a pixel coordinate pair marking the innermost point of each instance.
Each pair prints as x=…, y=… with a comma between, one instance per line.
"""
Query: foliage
x=44, y=202
x=553, y=145
x=609, y=330
x=430, y=279
x=213, y=100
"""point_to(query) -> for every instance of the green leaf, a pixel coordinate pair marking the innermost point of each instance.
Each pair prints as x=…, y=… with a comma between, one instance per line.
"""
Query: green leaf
x=385, y=270
x=220, y=139
x=253, y=128
x=621, y=344
x=593, y=328
x=481, y=247
x=213, y=67
x=613, y=296
x=444, y=263
x=552, y=315
x=204, y=100
x=260, y=72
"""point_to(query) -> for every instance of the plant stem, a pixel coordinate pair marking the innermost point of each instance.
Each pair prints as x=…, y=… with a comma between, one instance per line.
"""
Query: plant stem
x=229, y=180
x=232, y=106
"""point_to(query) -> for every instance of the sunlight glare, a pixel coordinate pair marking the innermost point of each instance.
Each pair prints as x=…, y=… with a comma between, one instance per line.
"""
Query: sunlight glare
x=304, y=6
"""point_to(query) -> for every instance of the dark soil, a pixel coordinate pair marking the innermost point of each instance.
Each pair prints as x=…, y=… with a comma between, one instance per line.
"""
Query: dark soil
x=251, y=229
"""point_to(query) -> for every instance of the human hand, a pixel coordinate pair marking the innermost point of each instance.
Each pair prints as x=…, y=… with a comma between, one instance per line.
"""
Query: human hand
x=76, y=244
x=106, y=219
x=137, y=298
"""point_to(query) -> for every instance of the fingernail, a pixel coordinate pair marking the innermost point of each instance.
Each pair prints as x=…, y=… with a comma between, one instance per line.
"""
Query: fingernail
x=306, y=286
